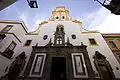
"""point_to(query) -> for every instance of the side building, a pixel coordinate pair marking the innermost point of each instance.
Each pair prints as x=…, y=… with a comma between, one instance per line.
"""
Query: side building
x=60, y=49
x=113, y=41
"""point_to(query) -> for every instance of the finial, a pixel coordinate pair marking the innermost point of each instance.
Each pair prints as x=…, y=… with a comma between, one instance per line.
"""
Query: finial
x=68, y=40
x=50, y=40
x=36, y=44
x=81, y=43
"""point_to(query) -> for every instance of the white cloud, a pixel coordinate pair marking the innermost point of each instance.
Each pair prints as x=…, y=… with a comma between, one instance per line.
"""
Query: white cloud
x=23, y=18
x=97, y=17
x=36, y=25
x=103, y=21
x=110, y=25
x=38, y=22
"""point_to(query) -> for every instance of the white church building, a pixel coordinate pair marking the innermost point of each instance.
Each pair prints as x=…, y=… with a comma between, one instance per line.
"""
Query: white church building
x=60, y=49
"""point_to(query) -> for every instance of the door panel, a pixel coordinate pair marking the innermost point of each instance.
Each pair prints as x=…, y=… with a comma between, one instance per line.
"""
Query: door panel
x=58, y=68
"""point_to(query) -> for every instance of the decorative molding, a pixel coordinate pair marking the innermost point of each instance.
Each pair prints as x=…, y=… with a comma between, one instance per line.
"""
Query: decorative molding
x=60, y=25
x=86, y=31
x=103, y=66
x=59, y=10
x=79, y=71
x=76, y=21
x=44, y=22
x=38, y=65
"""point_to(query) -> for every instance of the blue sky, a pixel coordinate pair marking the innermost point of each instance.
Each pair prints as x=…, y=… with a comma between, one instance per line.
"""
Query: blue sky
x=92, y=14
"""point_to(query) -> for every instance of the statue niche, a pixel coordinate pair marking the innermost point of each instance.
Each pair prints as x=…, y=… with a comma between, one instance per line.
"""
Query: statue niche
x=103, y=67
x=16, y=67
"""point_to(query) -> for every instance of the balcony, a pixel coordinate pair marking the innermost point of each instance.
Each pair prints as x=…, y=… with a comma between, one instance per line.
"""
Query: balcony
x=8, y=53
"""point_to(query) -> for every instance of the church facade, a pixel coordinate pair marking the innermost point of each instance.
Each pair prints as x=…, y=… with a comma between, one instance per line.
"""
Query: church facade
x=60, y=49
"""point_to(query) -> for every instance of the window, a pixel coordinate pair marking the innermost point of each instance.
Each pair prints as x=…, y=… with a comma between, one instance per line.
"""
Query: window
x=28, y=42
x=92, y=41
x=45, y=37
x=118, y=54
x=7, y=28
x=9, y=50
x=117, y=68
x=73, y=36
x=12, y=45
x=59, y=41
x=57, y=17
x=63, y=17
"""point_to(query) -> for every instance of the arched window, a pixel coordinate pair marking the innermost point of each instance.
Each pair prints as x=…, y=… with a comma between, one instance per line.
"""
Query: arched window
x=59, y=35
x=59, y=41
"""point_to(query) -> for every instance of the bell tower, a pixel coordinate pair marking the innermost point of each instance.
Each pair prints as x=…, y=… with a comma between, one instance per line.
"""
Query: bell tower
x=59, y=36
x=60, y=14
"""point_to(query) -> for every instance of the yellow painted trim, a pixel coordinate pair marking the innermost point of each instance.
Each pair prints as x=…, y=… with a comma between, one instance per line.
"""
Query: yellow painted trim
x=44, y=22
x=82, y=28
x=32, y=34
x=89, y=32
x=92, y=44
x=26, y=42
x=5, y=28
x=60, y=25
x=60, y=7
x=11, y=43
x=76, y=21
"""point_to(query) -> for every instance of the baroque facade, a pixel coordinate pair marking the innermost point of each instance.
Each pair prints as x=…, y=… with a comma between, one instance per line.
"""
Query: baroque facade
x=60, y=49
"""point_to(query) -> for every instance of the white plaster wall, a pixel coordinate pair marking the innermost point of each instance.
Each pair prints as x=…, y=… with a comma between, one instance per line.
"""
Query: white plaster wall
x=4, y=62
x=18, y=30
x=3, y=45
